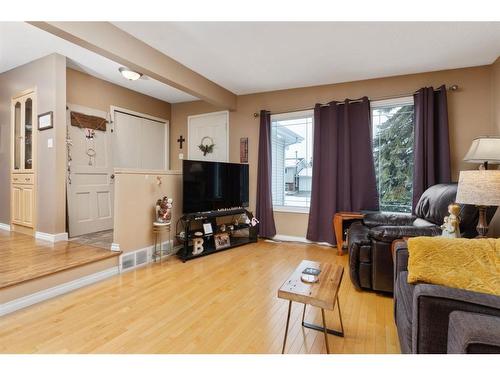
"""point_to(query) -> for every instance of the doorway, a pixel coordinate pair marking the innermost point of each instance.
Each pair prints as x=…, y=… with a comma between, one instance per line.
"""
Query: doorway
x=130, y=140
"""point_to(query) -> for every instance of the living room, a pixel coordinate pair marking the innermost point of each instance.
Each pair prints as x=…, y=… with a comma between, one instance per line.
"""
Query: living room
x=199, y=187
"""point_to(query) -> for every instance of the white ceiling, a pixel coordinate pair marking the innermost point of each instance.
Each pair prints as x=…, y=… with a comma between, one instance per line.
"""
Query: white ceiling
x=21, y=43
x=247, y=57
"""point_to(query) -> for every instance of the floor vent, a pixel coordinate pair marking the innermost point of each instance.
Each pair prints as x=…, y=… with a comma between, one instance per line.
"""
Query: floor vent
x=127, y=261
x=141, y=257
x=138, y=258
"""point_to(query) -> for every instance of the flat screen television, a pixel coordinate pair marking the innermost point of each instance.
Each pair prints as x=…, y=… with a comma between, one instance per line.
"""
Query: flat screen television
x=210, y=186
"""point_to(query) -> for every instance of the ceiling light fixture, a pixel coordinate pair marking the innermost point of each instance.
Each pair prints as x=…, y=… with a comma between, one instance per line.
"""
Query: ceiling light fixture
x=131, y=75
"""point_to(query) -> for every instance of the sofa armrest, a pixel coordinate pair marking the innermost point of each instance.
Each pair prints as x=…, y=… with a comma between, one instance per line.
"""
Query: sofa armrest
x=470, y=333
x=357, y=240
x=432, y=305
x=391, y=233
x=358, y=233
x=376, y=219
x=401, y=256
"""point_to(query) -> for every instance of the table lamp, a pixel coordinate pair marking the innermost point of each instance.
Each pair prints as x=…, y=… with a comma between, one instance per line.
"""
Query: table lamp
x=484, y=150
x=482, y=189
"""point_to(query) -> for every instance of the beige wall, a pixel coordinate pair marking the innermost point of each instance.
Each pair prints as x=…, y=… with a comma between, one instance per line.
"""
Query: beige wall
x=136, y=193
x=495, y=113
x=48, y=76
x=495, y=96
x=469, y=108
x=92, y=92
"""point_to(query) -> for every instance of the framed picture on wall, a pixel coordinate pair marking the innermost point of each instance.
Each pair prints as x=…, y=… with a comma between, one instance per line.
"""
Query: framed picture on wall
x=244, y=150
x=45, y=121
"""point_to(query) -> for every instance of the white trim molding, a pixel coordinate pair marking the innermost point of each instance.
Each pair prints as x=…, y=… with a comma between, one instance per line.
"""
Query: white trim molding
x=52, y=237
x=5, y=227
x=20, y=303
x=292, y=209
x=283, y=237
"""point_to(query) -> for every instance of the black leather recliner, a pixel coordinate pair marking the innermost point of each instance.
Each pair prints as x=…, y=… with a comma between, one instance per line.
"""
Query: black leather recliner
x=369, y=241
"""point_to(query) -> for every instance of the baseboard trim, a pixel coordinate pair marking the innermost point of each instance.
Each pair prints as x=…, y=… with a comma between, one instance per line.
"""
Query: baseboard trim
x=55, y=291
x=283, y=237
x=5, y=227
x=52, y=237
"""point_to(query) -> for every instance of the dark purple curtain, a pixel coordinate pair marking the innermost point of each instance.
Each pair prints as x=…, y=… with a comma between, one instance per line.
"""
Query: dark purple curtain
x=431, y=150
x=343, y=176
x=264, y=204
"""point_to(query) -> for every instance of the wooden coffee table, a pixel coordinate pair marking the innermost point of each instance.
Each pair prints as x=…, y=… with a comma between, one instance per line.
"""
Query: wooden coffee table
x=323, y=294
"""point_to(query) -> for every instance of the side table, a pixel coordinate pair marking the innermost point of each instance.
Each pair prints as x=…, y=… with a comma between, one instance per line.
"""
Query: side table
x=158, y=230
x=338, y=227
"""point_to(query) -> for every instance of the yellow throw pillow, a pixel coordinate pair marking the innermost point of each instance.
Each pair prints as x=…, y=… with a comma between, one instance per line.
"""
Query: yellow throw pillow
x=471, y=264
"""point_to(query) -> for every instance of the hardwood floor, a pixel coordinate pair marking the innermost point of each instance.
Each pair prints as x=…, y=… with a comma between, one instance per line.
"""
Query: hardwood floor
x=23, y=257
x=224, y=303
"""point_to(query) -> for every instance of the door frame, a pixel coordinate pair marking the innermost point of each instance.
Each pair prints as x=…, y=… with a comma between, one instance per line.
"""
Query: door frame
x=189, y=118
x=114, y=108
x=91, y=111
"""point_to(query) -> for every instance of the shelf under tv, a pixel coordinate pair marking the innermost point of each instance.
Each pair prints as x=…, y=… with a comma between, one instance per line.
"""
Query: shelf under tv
x=190, y=221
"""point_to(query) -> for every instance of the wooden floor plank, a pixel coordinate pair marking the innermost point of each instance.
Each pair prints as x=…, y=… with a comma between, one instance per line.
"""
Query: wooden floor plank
x=224, y=303
x=24, y=258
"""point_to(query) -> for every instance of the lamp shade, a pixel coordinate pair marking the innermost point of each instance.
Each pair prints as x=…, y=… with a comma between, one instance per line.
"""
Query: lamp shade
x=484, y=149
x=481, y=188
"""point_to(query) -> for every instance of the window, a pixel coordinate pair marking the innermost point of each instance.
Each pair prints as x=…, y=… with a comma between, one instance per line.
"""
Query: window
x=393, y=152
x=292, y=146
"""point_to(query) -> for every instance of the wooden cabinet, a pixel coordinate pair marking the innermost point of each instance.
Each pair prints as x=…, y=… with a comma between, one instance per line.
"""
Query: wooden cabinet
x=23, y=142
x=17, y=205
x=23, y=205
x=28, y=205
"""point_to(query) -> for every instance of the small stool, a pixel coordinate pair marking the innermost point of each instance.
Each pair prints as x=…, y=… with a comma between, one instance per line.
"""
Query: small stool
x=158, y=230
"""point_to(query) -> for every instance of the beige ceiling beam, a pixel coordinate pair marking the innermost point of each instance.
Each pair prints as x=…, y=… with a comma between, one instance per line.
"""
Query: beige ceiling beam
x=115, y=44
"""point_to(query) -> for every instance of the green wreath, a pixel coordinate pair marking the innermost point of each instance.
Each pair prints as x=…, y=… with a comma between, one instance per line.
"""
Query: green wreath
x=206, y=148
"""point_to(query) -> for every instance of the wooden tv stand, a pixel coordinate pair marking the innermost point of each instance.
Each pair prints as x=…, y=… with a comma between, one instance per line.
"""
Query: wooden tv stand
x=241, y=234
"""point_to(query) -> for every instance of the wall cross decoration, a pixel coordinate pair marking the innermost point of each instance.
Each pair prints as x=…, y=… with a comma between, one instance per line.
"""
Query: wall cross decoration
x=181, y=140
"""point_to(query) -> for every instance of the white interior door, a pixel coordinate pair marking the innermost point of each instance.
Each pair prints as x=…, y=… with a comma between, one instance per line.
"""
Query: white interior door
x=139, y=142
x=215, y=126
x=90, y=183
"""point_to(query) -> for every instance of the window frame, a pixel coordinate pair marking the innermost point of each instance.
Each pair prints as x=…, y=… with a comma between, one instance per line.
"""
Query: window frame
x=391, y=102
x=291, y=116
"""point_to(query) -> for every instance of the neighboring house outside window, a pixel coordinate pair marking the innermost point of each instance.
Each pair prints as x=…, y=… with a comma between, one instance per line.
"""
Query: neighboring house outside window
x=292, y=143
x=392, y=122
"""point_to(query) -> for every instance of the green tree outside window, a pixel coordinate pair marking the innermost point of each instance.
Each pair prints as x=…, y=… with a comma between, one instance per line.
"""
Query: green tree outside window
x=393, y=154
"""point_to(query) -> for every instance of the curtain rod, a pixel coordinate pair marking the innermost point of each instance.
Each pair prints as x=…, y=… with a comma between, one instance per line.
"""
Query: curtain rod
x=449, y=88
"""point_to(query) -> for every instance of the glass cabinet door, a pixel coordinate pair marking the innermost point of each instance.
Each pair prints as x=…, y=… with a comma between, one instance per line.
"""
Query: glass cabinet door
x=17, y=136
x=28, y=132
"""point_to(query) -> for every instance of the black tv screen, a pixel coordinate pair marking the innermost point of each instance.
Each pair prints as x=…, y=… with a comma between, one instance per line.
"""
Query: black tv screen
x=209, y=186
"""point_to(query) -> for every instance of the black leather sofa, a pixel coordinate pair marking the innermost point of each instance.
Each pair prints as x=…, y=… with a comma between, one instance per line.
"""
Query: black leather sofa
x=370, y=240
